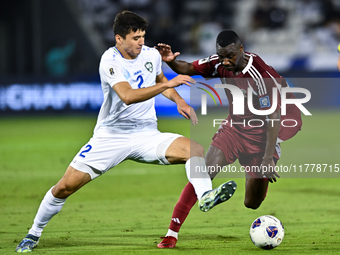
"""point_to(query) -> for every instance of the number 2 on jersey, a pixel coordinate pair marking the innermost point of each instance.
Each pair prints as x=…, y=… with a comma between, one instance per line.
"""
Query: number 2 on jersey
x=87, y=149
x=141, y=80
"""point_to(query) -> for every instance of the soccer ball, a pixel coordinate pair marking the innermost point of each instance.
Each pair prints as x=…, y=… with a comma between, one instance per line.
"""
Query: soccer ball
x=267, y=232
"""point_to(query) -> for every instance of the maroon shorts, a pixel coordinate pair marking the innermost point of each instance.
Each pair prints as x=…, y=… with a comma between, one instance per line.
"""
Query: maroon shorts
x=248, y=152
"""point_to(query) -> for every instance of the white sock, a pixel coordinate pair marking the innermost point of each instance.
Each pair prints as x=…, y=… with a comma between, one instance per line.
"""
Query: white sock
x=198, y=176
x=172, y=233
x=49, y=207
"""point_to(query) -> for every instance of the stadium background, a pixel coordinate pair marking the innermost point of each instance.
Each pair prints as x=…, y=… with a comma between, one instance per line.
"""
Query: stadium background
x=50, y=95
x=50, y=50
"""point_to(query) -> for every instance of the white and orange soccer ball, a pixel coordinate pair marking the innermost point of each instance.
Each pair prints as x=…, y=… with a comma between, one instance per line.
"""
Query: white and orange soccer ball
x=267, y=232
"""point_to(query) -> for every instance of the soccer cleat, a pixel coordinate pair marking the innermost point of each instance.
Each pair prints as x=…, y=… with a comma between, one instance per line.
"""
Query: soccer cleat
x=216, y=196
x=26, y=245
x=167, y=242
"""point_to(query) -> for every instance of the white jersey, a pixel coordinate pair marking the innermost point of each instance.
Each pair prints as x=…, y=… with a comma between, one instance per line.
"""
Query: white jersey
x=140, y=72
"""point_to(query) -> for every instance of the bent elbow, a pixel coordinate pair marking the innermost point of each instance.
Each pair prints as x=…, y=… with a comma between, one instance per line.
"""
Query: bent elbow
x=127, y=100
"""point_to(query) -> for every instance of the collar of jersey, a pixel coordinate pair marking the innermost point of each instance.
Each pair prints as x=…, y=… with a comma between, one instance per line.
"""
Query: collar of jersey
x=250, y=62
x=115, y=48
x=131, y=60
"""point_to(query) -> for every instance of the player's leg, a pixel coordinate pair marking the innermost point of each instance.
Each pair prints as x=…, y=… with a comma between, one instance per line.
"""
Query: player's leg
x=186, y=201
x=56, y=197
x=256, y=185
x=197, y=173
x=72, y=180
x=215, y=157
x=51, y=204
x=153, y=146
x=188, y=198
x=256, y=190
x=216, y=160
x=183, y=150
x=93, y=159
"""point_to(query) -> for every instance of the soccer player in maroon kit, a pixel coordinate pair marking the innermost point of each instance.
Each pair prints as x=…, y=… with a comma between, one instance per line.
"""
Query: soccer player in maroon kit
x=252, y=146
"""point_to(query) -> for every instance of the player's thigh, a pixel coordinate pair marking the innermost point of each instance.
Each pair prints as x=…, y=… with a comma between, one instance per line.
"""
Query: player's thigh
x=155, y=147
x=224, y=150
x=215, y=159
x=71, y=181
x=102, y=152
x=225, y=142
x=181, y=149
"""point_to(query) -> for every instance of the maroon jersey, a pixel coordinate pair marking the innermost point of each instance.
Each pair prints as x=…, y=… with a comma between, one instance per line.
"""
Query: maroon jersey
x=262, y=79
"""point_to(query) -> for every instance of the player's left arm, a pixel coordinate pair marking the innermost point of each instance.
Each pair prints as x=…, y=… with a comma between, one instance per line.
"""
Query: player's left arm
x=183, y=108
x=274, y=124
x=272, y=133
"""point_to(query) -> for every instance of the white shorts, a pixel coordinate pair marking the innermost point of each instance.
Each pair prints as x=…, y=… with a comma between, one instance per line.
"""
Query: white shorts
x=107, y=149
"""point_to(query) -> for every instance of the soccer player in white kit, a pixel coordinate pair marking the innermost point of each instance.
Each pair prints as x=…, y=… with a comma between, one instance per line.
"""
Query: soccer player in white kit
x=131, y=76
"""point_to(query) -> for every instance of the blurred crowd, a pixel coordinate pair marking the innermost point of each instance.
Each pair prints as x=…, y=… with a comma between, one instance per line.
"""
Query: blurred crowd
x=299, y=27
x=191, y=26
x=58, y=38
x=186, y=25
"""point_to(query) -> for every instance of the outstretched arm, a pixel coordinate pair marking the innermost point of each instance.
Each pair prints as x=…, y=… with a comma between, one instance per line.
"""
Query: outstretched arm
x=272, y=133
x=178, y=66
x=183, y=108
x=130, y=96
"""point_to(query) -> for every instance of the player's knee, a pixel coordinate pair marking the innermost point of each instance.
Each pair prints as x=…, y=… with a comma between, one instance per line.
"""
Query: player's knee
x=196, y=149
x=252, y=204
x=62, y=190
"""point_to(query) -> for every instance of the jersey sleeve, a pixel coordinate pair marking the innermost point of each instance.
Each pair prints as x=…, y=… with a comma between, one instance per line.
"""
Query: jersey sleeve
x=204, y=67
x=111, y=72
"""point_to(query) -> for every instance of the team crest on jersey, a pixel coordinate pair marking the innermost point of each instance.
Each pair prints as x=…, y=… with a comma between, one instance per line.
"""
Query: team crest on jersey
x=149, y=66
x=111, y=71
x=264, y=101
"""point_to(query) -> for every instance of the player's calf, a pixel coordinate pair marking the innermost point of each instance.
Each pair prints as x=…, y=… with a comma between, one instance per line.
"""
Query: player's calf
x=252, y=204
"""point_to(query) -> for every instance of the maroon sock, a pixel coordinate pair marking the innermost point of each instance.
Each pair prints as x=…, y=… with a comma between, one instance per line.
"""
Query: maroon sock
x=186, y=201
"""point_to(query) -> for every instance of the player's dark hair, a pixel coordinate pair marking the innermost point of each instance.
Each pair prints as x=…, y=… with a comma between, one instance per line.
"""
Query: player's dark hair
x=227, y=37
x=128, y=21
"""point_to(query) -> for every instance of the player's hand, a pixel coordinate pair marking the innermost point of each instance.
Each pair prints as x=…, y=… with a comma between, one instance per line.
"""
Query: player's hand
x=166, y=53
x=181, y=79
x=187, y=111
x=268, y=170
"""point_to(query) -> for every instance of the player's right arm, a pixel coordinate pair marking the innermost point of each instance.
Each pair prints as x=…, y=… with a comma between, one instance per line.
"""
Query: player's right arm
x=178, y=66
x=112, y=74
x=130, y=96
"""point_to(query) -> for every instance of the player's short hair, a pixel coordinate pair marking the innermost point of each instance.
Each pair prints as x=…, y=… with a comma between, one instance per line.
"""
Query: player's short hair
x=227, y=37
x=128, y=21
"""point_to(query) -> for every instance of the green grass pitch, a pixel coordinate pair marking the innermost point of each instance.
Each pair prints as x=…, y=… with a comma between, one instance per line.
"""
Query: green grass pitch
x=126, y=210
